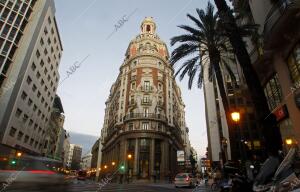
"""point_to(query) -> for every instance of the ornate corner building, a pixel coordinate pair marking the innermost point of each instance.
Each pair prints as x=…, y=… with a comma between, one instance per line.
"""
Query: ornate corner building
x=144, y=123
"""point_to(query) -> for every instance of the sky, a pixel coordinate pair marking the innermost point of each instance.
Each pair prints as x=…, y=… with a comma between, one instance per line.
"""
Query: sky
x=86, y=28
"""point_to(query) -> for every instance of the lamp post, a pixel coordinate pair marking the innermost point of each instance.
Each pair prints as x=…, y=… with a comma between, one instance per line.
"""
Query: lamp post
x=289, y=143
x=129, y=157
x=235, y=116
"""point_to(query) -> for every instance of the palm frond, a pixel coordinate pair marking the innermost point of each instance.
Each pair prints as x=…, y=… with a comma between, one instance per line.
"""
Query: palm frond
x=182, y=51
x=184, y=38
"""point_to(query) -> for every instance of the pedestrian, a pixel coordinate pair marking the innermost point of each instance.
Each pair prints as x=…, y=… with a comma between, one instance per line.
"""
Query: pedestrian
x=121, y=178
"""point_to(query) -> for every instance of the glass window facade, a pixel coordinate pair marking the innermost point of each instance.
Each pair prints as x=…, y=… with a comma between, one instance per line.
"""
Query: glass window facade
x=273, y=92
x=294, y=64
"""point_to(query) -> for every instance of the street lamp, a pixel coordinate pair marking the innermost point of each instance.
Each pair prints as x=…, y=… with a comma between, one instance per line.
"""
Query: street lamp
x=19, y=154
x=105, y=166
x=129, y=156
x=235, y=116
x=113, y=163
x=288, y=141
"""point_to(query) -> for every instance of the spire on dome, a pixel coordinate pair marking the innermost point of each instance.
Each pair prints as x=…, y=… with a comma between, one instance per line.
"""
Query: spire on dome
x=148, y=25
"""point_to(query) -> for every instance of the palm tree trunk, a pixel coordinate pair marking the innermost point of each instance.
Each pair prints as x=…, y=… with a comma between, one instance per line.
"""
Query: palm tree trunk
x=267, y=121
x=214, y=56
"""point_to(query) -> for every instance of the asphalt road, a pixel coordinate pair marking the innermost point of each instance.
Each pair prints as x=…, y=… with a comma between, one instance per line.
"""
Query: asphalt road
x=90, y=186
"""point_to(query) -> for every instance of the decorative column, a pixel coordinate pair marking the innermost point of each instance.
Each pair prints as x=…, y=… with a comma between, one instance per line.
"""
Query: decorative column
x=152, y=156
x=164, y=169
x=136, y=159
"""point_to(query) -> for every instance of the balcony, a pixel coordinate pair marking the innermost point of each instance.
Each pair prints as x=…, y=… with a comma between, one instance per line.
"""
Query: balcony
x=149, y=116
x=146, y=102
x=132, y=104
x=133, y=78
x=147, y=89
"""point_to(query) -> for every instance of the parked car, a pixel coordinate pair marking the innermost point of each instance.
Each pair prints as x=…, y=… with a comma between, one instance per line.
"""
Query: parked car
x=185, y=180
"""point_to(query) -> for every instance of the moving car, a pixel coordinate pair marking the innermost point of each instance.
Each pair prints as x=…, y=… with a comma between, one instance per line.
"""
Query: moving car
x=18, y=169
x=81, y=175
x=185, y=180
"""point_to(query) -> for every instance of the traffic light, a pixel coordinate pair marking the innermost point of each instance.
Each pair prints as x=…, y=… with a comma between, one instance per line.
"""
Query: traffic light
x=122, y=167
x=13, y=162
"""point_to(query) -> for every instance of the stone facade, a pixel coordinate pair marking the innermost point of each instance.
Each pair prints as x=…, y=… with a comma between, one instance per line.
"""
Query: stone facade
x=144, y=122
x=28, y=72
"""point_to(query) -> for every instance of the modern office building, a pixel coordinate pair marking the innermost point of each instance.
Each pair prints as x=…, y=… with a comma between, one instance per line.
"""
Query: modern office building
x=276, y=58
x=30, y=52
x=74, y=157
x=236, y=141
x=144, y=123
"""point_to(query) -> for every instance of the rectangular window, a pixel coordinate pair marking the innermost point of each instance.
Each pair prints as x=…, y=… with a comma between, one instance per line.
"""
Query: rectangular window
x=130, y=126
x=38, y=75
x=147, y=85
x=29, y=102
x=34, y=88
x=273, y=92
x=49, y=20
x=45, y=31
x=18, y=112
x=29, y=80
x=26, y=138
x=45, y=51
x=34, y=107
x=31, y=142
x=146, y=112
x=132, y=86
x=12, y=132
x=146, y=99
x=159, y=127
x=33, y=67
x=42, y=63
x=38, y=54
x=23, y=95
x=42, y=41
x=294, y=65
x=30, y=122
x=145, y=126
x=25, y=118
x=20, y=135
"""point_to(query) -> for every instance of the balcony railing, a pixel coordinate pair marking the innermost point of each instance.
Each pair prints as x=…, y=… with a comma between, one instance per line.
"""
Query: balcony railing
x=147, y=88
x=274, y=14
x=131, y=103
x=133, y=78
x=146, y=102
x=150, y=116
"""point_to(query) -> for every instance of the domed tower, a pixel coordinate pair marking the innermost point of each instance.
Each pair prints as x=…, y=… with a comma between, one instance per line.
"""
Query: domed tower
x=144, y=123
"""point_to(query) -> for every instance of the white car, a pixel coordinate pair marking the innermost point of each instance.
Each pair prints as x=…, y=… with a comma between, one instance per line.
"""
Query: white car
x=185, y=180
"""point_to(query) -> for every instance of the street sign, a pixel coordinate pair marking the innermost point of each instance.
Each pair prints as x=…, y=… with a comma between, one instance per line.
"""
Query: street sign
x=180, y=156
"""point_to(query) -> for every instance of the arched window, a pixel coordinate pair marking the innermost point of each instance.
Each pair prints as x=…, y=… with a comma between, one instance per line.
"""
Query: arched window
x=148, y=28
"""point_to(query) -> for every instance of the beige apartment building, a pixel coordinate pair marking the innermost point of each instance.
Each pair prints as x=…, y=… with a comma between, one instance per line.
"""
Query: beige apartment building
x=30, y=53
x=144, y=123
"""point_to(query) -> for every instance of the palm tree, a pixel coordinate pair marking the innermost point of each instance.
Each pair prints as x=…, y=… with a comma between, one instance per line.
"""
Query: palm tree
x=270, y=130
x=208, y=46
